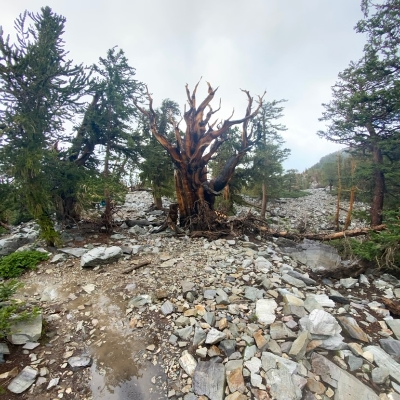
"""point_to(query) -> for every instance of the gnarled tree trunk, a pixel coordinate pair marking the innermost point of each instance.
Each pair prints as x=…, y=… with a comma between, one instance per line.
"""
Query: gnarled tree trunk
x=192, y=151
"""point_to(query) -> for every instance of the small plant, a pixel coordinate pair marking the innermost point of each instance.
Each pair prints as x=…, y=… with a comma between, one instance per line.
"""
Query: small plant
x=11, y=311
x=17, y=263
x=253, y=317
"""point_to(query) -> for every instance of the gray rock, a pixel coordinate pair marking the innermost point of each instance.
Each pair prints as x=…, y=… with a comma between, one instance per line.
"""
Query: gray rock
x=253, y=365
x=139, y=301
x=311, y=304
x=293, y=305
x=382, y=359
x=222, y=297
x=265, y=310
x=392, y=347
x=167, y=308
x=348, y=283
x=269, y=361
x=117, y=236
x=184, y=333
x=10, y=244
x=24, y=380
x=249, y=352
x=278, y=330
x=78, y=362
x=319, y=322
x=322, y=299
x=26, y=331
x=58, y=258
x=305, y=279
x=214, y=336
x=100, y=256
x=53, y=383
x=281, y=385
x=293, y=281
x=74, y=251
x=354, y=362
x=347, y=387
x=394, y=325
x=199, y=335
x=379, y=375
x=209, y=317
x=228, y=346
x=209, y=380
x=253, y=293
x=315, y=255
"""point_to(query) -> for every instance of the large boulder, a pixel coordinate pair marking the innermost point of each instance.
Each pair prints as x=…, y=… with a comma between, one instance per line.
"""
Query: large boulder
x=317, y=256
x=101, y=256
x=11, y=243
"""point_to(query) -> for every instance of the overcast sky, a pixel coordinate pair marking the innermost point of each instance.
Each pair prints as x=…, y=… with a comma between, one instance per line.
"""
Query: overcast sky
x=293, y=49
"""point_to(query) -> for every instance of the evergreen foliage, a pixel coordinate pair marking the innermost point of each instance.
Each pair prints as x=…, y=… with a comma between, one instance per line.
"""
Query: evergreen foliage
x=17, y=263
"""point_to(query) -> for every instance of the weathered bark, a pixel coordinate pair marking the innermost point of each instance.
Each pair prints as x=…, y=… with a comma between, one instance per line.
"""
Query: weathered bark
x=157, y=201
x=379, y=188
x=264, y=200
x=339, y=193
x=194, y=148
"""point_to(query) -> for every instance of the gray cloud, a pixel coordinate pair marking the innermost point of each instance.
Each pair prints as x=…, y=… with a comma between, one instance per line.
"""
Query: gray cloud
x=292, y=48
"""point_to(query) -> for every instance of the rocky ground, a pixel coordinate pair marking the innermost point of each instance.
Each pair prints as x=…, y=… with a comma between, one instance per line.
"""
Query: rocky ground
x=237, y=318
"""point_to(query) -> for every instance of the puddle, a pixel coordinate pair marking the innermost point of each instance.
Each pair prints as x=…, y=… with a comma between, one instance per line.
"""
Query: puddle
x=127, y=381
x=121, y=367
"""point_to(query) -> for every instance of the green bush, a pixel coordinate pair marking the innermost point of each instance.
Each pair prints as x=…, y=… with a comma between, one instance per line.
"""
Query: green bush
x=382, y=247
x=11, y=311
x=17, y=263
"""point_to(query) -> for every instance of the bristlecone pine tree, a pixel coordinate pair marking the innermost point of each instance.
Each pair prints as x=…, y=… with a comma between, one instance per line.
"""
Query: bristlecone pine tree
x=194, y=148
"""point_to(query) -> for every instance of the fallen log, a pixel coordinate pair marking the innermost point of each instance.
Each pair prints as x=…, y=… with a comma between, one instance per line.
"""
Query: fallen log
x=323, y=237
x=133, y=267
x=141, y=222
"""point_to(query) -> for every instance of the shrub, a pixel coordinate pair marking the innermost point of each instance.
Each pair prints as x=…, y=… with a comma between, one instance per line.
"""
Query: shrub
x=17, y=263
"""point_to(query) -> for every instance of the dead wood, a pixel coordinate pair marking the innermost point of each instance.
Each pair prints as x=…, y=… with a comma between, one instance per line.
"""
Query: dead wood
x=393, y=306
x=133, y=267
x=141, y=222
x=5, y=226
x=324, y=237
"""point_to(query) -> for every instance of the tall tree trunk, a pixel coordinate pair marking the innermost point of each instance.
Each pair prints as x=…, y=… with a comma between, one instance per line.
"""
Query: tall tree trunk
x=157, y=200
x=264, y=200
x=352, y=195
x=339, y=193
x=379, y=187
x=107, y=215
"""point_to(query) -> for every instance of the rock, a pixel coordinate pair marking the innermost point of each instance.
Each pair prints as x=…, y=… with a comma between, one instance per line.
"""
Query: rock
x=322, y=299
x=101, y=256
x=235, y=380
x=139, y=301
x=24, y=380
x=253, y=293
x=265, y=310
x=394, y=325
x=199, y=335
x=299, y=346
x=53, y=383
x=228, y=346
x=348, y=283
x=209, y=380
x=382, y=359
x=214, y=336
x=281, y=385
x=78, y=362
x=315, y=386
x=25, y=331
x=305, y=279
x=188, y=363
x=293, y=281
x=315, y=255
x=320, y=322
x=350, y=326
x=347, y=386
x=260, y=340
x=354, y=362
x=167, y=308
x=11, y=243
x=253, y=365
x=278, y=330
x=269, y=361
x=74, y=251
x=392, y=347
x=293, y=305
x=379, y=375
x=58, y=258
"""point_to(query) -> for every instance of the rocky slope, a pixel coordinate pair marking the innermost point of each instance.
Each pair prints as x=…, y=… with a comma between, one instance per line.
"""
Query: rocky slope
x=228, y=319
